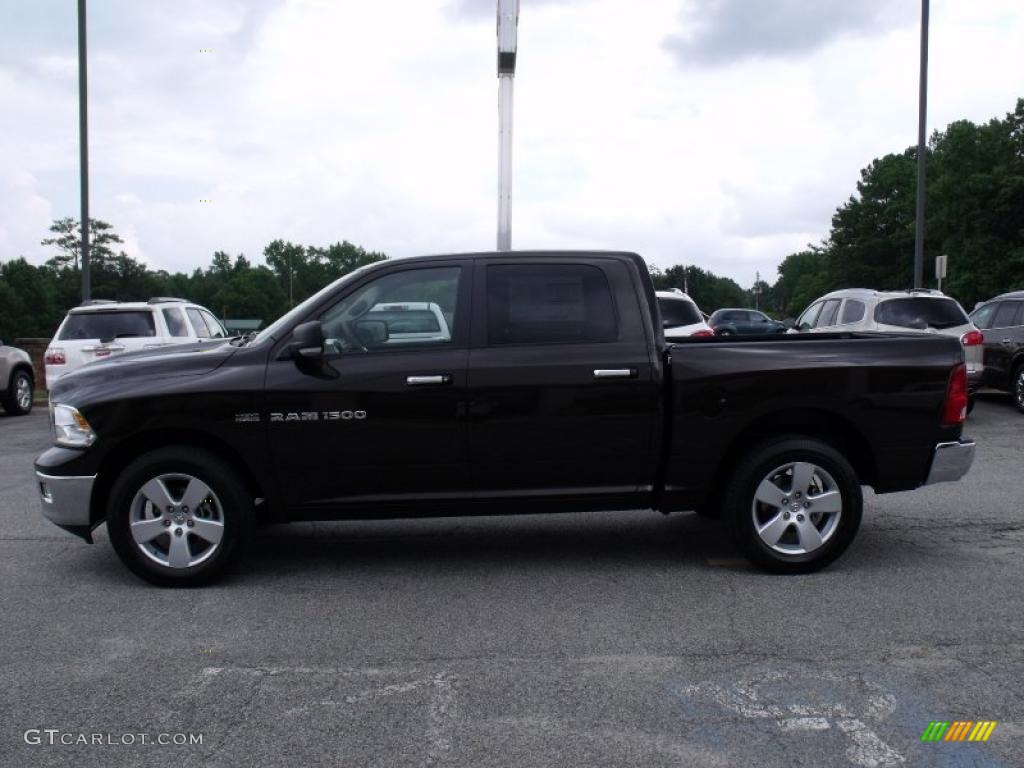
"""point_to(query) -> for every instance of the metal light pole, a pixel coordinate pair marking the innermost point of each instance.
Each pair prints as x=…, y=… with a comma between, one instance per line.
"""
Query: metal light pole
x=922, y=115
x=508, y=22
x=83, y=142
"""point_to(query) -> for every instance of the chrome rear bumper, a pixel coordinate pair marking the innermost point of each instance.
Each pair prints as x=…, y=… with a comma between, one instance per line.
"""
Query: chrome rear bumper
x=951, y=461
x=65, y=500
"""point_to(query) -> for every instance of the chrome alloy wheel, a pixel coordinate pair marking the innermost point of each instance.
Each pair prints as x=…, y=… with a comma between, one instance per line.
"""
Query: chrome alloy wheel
x=1018, y=389
x=176, y=520
x=23, y=392
x=796, y=508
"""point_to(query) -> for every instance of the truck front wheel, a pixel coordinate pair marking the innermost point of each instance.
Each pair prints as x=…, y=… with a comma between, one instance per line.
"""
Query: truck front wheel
x=179, y=517
x=793, y=505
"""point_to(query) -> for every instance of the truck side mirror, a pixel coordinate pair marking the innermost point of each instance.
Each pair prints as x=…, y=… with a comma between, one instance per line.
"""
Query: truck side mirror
x=307, y=341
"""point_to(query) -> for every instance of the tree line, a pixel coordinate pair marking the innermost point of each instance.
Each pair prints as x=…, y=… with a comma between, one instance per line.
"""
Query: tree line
x=975, y=194
x=34, y=299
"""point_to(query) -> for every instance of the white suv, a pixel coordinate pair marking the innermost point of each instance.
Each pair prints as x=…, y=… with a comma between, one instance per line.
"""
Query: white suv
x=100, y=328
x=680, y=316
x=918, y=310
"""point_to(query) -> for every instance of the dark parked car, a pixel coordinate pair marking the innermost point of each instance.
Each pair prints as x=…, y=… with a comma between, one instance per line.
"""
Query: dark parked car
x=730, y=322
x=1001, y=320
x=554, y=391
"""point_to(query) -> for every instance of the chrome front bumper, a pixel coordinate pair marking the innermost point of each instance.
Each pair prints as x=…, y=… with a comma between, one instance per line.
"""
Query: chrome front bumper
x=65, y=500
x=951, y=461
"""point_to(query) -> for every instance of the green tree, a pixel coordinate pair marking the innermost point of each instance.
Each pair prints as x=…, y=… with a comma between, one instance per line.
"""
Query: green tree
x=68, y=241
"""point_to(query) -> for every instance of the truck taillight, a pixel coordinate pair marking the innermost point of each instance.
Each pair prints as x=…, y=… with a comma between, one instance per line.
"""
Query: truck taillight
x=954, y=410
x=972, y=338
x=702, y=333
x=55, y=357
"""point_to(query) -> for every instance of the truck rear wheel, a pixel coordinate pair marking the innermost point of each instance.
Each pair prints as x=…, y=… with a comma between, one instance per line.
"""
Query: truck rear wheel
x=794, y=505
x=179, y=517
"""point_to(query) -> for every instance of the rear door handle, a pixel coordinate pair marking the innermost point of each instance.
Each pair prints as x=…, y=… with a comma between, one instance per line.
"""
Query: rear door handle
x=428, y=381
x=614, y=373
x=1007, y=341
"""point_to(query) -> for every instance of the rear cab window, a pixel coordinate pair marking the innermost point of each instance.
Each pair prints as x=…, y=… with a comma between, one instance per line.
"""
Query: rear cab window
x=108, y=325
x=920, y=312
x=549, y=304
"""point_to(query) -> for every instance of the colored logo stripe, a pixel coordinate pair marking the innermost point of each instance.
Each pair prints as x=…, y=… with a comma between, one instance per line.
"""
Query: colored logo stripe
x=982, y=730
x=958, y=730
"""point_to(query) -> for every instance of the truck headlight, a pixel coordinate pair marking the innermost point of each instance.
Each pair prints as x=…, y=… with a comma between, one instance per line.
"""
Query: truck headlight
x=71, y=428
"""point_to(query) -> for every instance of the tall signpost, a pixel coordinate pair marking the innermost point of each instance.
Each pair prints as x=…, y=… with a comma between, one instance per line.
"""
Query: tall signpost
x=922, y=115
x=508, y=22
x=83, y=141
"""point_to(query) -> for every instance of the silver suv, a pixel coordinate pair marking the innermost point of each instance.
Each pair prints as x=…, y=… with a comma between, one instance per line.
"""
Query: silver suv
x=16, y=380
x=918, y=310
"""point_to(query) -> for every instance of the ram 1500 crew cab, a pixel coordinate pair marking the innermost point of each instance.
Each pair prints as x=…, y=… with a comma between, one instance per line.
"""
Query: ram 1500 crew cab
x=549, y=388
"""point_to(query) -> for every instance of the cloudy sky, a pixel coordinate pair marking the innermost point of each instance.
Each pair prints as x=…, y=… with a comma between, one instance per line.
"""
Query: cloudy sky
x=721, y=133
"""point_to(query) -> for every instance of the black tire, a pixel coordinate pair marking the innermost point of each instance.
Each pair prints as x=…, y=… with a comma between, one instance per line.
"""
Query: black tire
x=19, y=378
x=739, y=508
x=1017, y=387
x=230, y=503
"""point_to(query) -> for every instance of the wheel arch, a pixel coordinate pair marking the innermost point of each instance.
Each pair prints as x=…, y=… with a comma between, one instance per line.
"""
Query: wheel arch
x=829, y=427
x=144, y=442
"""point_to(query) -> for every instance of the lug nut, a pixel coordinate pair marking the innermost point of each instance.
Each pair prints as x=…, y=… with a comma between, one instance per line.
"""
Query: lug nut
x=169, y=510
x=167, y=523
x=190, y=523
x=799, y=518
x=785, y=501
x=184, y=509
x=797, y=494
x=177, y=531
x=785, y=515
x=807, y=505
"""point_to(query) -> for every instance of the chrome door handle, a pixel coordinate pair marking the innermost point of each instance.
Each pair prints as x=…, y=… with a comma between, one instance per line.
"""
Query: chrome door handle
x=1007, y=341
x=428, y=381
x=614, y=373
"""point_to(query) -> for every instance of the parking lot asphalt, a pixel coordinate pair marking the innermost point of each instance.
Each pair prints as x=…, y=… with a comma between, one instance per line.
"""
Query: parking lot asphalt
x=619, y=639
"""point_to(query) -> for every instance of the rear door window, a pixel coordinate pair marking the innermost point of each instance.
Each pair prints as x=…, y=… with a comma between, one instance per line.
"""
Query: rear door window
x=108, y=326
x=853, y=312
x=677, y=312
x=1008, y=315
x=176, y=324
x=549, y=304
x=921, y=312
x=198, y=324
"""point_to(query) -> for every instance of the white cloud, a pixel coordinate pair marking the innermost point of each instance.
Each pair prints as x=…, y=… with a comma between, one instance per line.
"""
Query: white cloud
x=376, y=122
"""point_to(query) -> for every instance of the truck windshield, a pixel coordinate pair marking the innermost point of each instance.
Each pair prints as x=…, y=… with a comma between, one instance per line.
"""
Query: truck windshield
x=107, y=325
x=921, y=312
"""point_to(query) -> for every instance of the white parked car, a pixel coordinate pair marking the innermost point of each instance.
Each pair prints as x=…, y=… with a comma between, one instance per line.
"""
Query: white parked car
x=680, y=316
x=100, y=328
x=918, y=310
